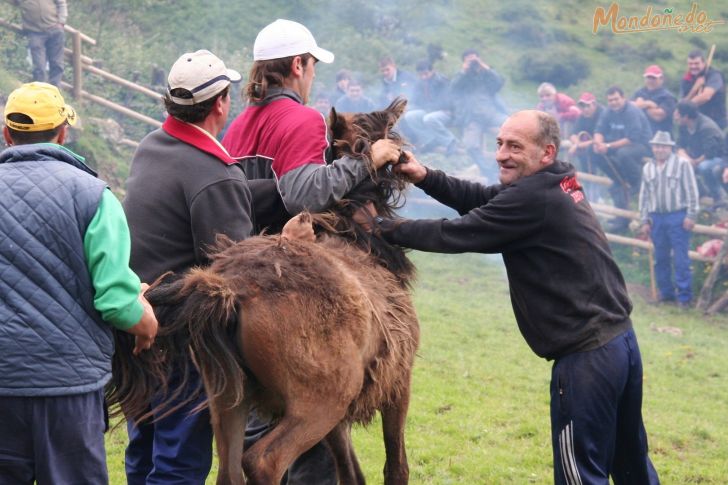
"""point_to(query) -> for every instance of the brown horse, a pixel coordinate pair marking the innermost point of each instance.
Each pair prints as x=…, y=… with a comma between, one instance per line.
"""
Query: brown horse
x=319, y=335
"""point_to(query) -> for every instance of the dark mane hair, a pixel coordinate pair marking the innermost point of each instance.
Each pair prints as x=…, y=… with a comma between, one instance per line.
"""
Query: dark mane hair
x=177, y=299
x=353, y=135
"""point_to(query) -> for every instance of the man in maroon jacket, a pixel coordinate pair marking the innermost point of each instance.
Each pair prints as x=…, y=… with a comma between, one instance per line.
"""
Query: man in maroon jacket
x=279, y=138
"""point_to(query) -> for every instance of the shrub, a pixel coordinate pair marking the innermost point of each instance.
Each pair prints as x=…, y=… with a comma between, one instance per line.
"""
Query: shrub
x=558, y=68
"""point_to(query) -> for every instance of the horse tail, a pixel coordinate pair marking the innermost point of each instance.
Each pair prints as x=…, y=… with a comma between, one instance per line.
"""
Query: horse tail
x=134, y=378
x=211, y=316
x=197, y=315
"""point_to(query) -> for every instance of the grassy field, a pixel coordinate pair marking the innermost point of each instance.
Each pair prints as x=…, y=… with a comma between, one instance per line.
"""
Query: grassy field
x=479, y=411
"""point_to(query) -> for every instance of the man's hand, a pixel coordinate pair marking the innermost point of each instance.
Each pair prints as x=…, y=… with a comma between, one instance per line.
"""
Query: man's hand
x=412, y=169
x=384, y=151
x=299, y=228
x=600, y=147
x=688, y=224
x=146, y=328
x=725, y=176
x=645, y=230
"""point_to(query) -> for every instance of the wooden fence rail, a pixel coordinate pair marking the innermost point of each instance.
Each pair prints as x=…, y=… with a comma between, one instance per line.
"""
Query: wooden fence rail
x=81, y=63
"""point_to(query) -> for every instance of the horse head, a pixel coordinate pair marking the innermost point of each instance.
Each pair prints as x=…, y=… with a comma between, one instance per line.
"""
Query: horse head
x=353, y=135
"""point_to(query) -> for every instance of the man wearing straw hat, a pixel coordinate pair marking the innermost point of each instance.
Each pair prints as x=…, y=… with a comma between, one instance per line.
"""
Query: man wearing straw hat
x=668, y=204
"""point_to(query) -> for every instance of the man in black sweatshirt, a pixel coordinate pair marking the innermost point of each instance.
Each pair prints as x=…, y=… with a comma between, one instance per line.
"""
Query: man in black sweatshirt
x=568, y=295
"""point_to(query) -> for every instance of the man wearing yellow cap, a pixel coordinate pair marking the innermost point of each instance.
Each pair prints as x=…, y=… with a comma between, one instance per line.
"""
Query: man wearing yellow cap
x=64, y=261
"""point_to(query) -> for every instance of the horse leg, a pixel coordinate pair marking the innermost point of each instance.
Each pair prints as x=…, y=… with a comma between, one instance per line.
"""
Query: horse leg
x=228, y=425
x=267, y=460
x=396, y=470
x=347, y=466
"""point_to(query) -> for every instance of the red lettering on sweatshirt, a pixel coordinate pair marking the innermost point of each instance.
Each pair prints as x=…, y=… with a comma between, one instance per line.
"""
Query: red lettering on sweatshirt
x=572, y=187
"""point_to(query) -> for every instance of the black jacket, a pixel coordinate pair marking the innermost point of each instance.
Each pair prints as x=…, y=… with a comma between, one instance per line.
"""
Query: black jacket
x=567, y=292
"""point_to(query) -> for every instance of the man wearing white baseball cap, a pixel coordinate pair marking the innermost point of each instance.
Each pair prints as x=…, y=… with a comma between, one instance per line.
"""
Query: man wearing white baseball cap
x=183, y=190
x=278, y=138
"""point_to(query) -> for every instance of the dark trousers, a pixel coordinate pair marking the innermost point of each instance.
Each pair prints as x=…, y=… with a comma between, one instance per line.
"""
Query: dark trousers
x=47, y=48
x=672, y=244
x=624, y=166
x=596, y=416
x=53, y=440
x=175, y=450
x=314, y=467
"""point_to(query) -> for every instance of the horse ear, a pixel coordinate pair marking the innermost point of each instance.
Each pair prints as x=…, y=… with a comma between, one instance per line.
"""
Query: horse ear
x=336, y=124
x=397, y=106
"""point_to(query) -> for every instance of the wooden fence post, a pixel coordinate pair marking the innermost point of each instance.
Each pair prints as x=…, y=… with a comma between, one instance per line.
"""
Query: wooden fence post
x=706, y=293
x=77, y=66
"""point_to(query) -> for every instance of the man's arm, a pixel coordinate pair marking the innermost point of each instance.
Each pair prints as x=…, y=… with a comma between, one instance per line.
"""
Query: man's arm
x=455, y=193
x=316, y=187
x=222, y=207
x=504, y=223
x=61, y=11
x=712, y=84
x=117, y=298
x=690, y=187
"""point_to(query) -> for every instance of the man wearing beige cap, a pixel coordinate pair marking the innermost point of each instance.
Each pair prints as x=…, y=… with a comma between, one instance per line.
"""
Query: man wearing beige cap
x=65, y=282
x=655, y=100
x=279, y=138
x=183, y=190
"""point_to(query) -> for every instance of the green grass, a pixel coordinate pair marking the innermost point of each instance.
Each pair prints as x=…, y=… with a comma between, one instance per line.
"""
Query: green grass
x=479, y=410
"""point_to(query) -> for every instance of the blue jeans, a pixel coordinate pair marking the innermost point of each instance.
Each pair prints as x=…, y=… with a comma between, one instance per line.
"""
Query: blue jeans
x=596, y=416
x=47, y=48
x=668, y=236
x=711, y=174
x=176, y=450
x=315, y=466
x=428, y=128
x=55, y=439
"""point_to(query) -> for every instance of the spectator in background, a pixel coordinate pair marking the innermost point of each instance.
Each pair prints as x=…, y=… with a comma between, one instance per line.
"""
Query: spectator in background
x=477, y=105
x=395, y=82
x=621, y=139
x=702, y=143
x=558, y=105
x=583, y=138
x=655, y=100
x=354, y=100
x=43, y=23
x=65, y=282
x=343, y=76
x=705, y=88
x=668, y=206
x=429, y=111
x=322, y=104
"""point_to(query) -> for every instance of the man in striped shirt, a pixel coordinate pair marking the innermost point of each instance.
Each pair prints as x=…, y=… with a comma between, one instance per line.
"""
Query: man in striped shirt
x=668, y=205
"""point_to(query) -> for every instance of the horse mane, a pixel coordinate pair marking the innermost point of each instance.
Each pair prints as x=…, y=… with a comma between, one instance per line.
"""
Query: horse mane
x=186, y=306
x=353, y=135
